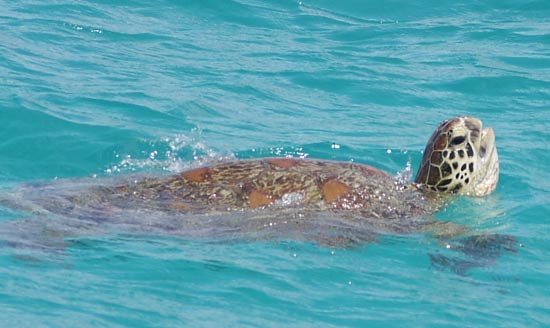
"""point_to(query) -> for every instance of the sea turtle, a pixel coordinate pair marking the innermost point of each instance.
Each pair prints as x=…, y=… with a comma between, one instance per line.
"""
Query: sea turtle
x=329, y=202
x=460, y=158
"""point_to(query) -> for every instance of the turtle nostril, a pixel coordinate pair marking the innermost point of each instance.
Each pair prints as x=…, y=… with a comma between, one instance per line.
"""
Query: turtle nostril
x=482, y=151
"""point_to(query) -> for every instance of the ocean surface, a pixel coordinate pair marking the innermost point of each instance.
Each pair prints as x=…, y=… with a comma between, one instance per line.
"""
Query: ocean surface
x=103, y=89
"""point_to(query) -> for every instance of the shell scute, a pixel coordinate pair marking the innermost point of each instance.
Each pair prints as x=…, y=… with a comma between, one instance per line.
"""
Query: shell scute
x=196, y=175
x=334, y=189
x=257, y=198
x=283, y=163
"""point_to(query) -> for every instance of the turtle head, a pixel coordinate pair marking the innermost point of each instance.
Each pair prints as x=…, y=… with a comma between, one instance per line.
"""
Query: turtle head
x=461, y=158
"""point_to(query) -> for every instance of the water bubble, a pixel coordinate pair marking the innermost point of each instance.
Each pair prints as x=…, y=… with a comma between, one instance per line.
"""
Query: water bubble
x=405, y=175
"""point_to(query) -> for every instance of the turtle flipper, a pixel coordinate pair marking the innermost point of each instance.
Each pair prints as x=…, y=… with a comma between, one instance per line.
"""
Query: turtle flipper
x=487, y=246
x=445, y=230
x=477, y=251
x=330, y=231
x=457, y=265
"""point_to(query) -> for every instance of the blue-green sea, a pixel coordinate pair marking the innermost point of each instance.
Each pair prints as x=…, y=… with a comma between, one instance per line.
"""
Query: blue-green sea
x=103, y=89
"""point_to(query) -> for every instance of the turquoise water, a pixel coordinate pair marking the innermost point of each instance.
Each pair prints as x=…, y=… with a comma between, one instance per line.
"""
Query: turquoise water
x=101, y=89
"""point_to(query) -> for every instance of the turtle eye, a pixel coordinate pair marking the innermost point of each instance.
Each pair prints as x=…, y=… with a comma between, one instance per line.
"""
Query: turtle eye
x=457, y=140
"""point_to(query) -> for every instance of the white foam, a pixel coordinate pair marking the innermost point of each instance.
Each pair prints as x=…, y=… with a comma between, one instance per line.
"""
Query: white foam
x=166, y=155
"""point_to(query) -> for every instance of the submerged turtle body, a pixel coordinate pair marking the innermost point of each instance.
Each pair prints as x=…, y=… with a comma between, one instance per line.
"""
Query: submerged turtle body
x=314, y=195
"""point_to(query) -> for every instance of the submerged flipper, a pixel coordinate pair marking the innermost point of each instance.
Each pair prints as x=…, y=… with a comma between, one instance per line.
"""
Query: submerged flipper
x=474, y=252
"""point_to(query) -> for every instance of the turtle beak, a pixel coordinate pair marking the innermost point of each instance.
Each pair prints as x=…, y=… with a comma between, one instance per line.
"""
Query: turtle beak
x=474, y=126
x=489, y=166
x=487, y=142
